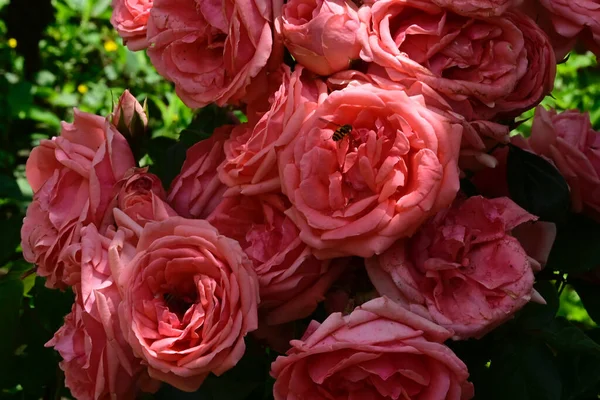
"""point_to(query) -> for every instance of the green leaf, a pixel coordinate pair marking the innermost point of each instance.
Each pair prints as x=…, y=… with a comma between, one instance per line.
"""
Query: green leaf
x=536, y=316
x=588, y=293
x=576, y=246
x=11, y=294
x=537, y=186
x=11, y=220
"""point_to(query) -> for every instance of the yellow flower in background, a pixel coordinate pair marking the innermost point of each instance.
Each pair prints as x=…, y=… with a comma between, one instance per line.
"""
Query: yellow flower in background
x=12, y=43
x=83, y=89
x=110, y=46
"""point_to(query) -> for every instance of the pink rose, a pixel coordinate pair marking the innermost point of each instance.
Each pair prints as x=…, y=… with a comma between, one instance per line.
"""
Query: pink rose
x=578, y=18
x=190, y=297
x=130, y=18
x=462, y=269
x=97, y=360
x=567, y=138
x=143, y=198
x=72, y=177
x=197, y=190
x=396, y=167
x=321, y=34
x=379, y=351
x=211, y=50
x=250, y=165
x=130, y=117
x=478, y=8
x=484, y=67
x=292, y=281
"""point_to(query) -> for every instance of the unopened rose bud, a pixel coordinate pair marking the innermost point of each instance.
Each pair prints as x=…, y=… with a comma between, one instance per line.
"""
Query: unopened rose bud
x=130, y=117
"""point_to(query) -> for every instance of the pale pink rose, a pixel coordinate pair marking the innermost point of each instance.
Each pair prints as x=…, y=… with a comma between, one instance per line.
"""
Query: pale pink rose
x=292, y=281
x=197, y=190
x=143, y=198
x=129, y=18
x=462, y=269
x=380, y=351
x=576, y=19
x=485, y=67
x=250, y=165
x=397, y=167
x=321, y=34
x=72, y=177
x=190, y=297
x=211, y=50
x=478, y=8
x=97, y=360
x=567, y=138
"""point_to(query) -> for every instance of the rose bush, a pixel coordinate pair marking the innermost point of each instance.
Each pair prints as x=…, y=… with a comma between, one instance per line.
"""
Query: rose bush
x=211, y=50
x=396, y=168
x=379, y=351
x=190, y=296
x=462, y=269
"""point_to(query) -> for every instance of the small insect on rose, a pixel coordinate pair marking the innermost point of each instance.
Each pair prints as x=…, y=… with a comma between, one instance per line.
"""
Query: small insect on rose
x=341, y=132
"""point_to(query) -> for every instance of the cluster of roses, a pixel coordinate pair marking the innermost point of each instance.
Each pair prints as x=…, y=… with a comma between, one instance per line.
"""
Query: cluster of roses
x=349, y=162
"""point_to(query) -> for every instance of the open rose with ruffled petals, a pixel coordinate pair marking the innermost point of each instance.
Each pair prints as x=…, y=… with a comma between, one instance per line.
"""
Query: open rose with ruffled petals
x=143, y=198
x=190, y=297
x=197, y=190
x=97, y=360
x=211, y=50
x=462, y=269
x=130, y=18
x=250, y=165
x=379, y=351
x=567, y=138
x=476, y=63
x=397, y=167
x=321, y=34
x=292, y=281
x=72, y=176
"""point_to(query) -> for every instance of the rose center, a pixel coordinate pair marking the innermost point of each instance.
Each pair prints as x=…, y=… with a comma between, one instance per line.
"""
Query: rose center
x=178, y=303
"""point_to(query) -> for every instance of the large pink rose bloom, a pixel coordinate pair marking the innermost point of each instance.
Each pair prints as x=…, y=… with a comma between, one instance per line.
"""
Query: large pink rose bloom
x=72, y=177
x=197, y=190
x=250, y=165
x=462, y=269
x=567, y=138
x=478, y=8
x=380, y=351
x=321, y=34
x=211, y=50
x=492, y=67
x=576, y=18
x=397, y=167
x=130, y=18
x=292, y=281
x=190, y=297
x=97, y=360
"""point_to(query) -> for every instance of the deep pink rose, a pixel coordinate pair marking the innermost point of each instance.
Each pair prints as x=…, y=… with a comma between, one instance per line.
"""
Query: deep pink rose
x=197, y=190
x=211, y=50
x=485, y=67
x=567, y=138
x=478, y=8
x=97, y=360
x=462, y=269
x=576, y=18
x=250, y=165
x=143, y=198
x=130, y=18
x=380, y=351
x=190, y=297
x=397, y=167
x=292, y=281
x=321, y=34
x=72, y=177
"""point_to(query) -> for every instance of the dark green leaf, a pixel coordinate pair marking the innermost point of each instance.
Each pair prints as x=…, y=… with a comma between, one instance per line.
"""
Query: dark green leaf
x=537, y=186
x=576, y=248
x=11, y=294
x=9, y=187
x=536, y=316
x=10, y=236
x=588, y=293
